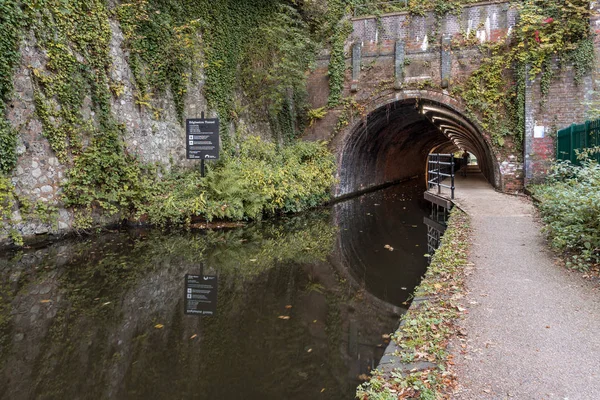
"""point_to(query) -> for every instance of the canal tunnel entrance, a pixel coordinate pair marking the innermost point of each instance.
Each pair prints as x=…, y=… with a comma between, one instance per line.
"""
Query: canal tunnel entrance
x=392, y=142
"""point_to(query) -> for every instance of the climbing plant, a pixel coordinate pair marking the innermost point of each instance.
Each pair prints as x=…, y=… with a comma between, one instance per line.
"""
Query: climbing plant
x=164, y=52
x=547, y=32
x=76, y=37
x=11, y=18
x=275, y=65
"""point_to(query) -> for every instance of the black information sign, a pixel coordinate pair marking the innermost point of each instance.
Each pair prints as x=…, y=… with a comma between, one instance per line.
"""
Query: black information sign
x=200, y=294
x=202, y=138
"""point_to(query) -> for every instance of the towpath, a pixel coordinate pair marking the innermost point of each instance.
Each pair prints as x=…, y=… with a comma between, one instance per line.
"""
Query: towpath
x=532, y=328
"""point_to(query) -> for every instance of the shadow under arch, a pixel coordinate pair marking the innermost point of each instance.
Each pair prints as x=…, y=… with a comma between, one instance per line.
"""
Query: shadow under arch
x=392, y=142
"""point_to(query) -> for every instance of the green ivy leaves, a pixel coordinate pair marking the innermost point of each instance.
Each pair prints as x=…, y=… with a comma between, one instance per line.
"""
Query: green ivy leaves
x=10, y=35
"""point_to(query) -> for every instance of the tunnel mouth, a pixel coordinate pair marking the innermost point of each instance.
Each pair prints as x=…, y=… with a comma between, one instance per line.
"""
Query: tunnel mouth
x=391, y=144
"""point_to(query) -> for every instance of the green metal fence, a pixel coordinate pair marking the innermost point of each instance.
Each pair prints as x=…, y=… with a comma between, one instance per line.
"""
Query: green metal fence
x=577, y=137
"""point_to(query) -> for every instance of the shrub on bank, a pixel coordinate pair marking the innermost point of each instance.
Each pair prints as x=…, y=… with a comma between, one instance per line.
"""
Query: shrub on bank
x=260, y=180
x=570, y=207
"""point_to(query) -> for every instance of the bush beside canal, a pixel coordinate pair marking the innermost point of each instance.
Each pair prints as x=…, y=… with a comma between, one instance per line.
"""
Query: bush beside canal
x=569, y=202
x=426, y=329
x=260, y=180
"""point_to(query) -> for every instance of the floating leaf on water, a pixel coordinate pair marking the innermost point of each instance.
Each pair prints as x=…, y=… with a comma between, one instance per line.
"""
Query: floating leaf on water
x=159, y=326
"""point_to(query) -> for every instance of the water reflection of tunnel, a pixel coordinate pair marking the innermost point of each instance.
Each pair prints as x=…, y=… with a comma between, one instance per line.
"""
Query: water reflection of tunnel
x=393, y=141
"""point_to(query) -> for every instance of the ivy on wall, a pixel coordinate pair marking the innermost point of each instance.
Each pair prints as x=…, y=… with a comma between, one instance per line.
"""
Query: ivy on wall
x=260, y=47
x=76, y=37
x=10, y=34
x=494, y=94
x=546, y=31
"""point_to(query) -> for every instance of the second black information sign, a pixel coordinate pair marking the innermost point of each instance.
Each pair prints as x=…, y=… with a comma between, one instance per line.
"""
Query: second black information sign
x=202, y=138
x=200, y=294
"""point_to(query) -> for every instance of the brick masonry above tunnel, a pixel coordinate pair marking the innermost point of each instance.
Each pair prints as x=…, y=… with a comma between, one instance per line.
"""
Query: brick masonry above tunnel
x=425, y=68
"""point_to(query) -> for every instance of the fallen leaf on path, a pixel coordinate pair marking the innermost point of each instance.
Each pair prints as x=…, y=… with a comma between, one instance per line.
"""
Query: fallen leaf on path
x=45, y=301
x=288, y=306
x=194, y=336
x=284, y=317
x=159, y=326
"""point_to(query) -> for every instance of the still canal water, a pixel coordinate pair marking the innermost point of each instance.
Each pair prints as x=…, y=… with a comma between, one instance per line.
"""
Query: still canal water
x=303, y=304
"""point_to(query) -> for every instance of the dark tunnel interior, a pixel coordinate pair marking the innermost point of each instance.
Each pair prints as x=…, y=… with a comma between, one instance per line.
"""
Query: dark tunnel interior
x=392, y=144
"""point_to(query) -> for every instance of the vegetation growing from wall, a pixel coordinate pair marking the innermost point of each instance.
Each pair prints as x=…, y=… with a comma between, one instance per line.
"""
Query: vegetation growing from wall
x=546, y=30
x=427, y=328
x=261, y=47
x=10, y=34
x=75, y=36
x=7, y=202
x=570, y=205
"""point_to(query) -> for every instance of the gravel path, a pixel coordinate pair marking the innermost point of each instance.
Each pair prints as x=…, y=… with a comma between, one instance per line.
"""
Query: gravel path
x=532, y=328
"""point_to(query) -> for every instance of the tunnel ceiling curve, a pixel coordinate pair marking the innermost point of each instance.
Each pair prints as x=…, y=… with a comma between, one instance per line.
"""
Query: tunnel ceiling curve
x=392, y=143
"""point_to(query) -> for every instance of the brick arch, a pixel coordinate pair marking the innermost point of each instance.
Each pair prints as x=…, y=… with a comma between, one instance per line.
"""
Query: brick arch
x=391, y=142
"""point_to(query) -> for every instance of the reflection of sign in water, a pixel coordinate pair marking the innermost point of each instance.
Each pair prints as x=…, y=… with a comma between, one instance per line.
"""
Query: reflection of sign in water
x=200, y=294
x=202, y=138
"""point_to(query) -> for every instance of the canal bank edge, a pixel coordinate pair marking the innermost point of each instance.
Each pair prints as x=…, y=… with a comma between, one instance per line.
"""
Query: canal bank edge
x=417, y=363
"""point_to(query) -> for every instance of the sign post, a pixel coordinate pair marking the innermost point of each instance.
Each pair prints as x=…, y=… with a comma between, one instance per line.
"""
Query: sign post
x=202, y=139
